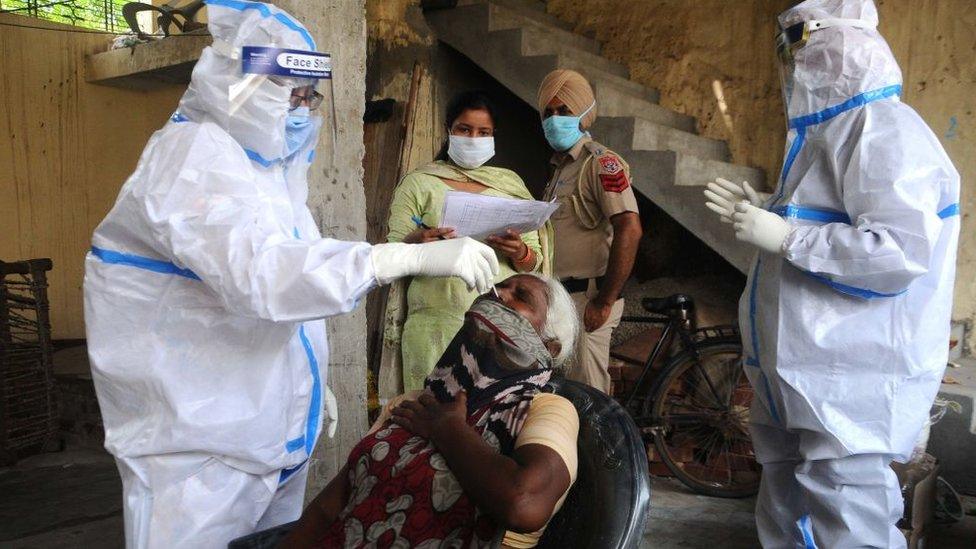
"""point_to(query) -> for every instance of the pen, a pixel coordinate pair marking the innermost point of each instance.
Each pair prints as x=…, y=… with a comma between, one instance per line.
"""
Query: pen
x=420, y=224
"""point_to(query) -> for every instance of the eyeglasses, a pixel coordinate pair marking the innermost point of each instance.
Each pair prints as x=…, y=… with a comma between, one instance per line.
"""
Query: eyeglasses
x=312, y=99
x=796, y=36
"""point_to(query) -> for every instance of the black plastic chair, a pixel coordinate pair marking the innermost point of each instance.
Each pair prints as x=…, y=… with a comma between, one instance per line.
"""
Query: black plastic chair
x=607, y=506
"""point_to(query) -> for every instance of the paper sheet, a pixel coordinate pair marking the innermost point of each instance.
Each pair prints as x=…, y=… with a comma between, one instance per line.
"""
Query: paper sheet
x=480, y=216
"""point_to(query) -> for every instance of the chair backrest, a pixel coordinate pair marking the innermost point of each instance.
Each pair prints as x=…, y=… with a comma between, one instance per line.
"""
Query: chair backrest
x=607, y=506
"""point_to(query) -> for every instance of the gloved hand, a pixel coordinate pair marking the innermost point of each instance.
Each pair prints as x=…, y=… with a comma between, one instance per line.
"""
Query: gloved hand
x=466, y=258
x=723, y=194
x=764, y=230
x=331, y=413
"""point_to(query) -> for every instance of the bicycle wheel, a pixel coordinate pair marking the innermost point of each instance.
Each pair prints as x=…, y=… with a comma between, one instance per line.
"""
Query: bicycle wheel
x=700, y=414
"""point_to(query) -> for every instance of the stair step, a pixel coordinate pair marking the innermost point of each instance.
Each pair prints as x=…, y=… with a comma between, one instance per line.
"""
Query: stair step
x=499, y=53
x=592, y=71
x=504, y=17
x=654, y=176
x=540, y=42
x=669, y=161
x=522, y=77
x=686, y=170
x=532, y=10
x=623, y=84
x=612, y=101
x=596, y=76
x=645, y=135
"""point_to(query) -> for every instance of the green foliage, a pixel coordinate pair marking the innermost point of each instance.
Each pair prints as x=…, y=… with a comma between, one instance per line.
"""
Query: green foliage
x=103, y=15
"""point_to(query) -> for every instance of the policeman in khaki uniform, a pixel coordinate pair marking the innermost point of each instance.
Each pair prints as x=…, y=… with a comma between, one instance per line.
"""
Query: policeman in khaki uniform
x=597, y=226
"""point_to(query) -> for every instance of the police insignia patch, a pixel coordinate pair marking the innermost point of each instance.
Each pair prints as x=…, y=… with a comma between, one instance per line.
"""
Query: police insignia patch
x=612, y=174
x=610, y=164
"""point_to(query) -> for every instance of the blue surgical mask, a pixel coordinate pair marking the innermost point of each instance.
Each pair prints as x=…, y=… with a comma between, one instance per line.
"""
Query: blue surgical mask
x=562, y=132
x=298, y=130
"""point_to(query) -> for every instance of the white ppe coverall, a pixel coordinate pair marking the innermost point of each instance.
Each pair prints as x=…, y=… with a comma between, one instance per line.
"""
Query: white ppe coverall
x=846, y=333
x=204, y=294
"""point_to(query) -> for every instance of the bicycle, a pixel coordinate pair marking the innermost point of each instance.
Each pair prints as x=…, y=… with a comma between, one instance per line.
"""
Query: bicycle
x=696, y=407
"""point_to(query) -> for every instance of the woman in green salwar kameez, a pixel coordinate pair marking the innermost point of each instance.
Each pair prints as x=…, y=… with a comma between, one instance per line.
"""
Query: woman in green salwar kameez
x=435, y=306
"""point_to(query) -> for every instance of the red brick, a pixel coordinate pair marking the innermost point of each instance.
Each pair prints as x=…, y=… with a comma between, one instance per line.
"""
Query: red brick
x=681, y=454
x=742, y=396
x=652, y=455
x=744, y=463
x=631, y=372
x=622, y=388
x=659, y=470
x=707, y=473
x=741, y=448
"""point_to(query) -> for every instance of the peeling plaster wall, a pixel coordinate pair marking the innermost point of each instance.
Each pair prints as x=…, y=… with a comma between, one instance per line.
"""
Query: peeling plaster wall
x=692, y=50
x=336, y=199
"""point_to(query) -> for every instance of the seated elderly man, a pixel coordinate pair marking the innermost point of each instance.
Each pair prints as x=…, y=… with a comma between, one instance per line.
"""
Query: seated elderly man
x=483, y=449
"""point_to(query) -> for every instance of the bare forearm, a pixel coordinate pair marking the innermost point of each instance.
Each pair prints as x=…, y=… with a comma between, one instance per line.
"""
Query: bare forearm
x=321, y=513
x=489, y=478
x=518, y=492
x=627, y=233
x=527, y=263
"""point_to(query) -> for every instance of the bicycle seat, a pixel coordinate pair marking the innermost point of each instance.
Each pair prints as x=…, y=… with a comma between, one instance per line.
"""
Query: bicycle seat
x=661, y=305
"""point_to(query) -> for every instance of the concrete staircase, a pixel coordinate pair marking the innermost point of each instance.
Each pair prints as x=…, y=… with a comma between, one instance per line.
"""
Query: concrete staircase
x=517, y=43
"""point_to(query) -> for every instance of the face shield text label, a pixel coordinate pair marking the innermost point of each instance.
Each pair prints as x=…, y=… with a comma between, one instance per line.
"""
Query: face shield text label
x=282, y=62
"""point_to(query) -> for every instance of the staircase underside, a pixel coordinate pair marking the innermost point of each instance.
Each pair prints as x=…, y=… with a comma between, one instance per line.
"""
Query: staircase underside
x=518, y=44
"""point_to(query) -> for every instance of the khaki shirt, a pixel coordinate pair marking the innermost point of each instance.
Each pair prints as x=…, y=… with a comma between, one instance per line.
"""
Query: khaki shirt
x=592, y=184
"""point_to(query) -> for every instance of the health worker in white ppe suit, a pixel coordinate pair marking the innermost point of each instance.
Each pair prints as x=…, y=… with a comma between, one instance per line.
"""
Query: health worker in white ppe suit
x=845, y=317
x=205, y=289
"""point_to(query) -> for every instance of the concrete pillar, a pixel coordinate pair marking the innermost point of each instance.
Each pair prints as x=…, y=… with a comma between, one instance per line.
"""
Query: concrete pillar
x=336, y=200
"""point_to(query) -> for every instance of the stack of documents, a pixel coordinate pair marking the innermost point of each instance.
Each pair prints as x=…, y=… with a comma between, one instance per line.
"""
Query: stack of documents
x=480, y=216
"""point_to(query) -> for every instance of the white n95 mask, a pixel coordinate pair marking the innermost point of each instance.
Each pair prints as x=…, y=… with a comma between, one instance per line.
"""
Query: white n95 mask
x=470, y=152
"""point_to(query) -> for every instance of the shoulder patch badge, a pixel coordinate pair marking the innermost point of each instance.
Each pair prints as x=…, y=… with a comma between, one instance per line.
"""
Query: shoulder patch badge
x=612, y=174
x=609, y=164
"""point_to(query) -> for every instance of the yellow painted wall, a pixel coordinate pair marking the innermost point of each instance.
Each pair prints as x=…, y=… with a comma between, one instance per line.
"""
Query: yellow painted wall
x=66, y=147
x=683, y=48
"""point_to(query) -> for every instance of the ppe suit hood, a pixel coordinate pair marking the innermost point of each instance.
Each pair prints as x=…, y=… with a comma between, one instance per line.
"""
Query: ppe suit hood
x=837, y=63
x=251, y=108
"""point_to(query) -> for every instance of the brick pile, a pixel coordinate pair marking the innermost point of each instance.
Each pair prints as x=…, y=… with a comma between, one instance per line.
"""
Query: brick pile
x=740, y=461
x=623, y=376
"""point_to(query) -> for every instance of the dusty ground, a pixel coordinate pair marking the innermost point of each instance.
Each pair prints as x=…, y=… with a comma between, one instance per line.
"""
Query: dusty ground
x=681, y=519
x=72, y=499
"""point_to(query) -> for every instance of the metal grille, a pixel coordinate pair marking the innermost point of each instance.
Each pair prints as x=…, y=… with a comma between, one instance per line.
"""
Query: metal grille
x=28, y=402
x=105, y=15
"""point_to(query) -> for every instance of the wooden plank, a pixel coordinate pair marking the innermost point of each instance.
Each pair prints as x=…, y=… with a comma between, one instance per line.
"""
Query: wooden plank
x=383, y=141
x=389, y=162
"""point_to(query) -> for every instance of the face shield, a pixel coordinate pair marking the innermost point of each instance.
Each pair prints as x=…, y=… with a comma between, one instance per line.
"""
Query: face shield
x=287, y=96
x=791, y=40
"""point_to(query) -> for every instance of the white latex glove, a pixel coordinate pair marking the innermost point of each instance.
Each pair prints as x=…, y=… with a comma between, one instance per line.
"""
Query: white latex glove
x=466, y=258
x=722, y=195
x=331, y=413
x=764, y=230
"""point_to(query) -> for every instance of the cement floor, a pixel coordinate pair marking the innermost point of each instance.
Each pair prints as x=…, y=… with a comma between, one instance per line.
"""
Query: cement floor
x=72, y=499
x=681, y=519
